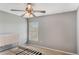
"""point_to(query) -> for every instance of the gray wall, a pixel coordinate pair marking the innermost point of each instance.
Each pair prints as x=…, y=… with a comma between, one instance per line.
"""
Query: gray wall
x=57, y=31
x=10, y=23
x=78, y=30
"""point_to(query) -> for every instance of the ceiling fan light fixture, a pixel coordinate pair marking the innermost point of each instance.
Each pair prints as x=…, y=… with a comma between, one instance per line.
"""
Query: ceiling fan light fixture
x=28, y=14
x=29, y=6
x=29, y=9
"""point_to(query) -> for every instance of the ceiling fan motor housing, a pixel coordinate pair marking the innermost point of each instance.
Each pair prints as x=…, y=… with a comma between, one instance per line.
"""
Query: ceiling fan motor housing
x=29, y=9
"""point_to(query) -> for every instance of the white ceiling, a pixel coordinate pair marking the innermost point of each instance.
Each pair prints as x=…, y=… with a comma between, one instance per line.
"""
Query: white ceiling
x=51, y=8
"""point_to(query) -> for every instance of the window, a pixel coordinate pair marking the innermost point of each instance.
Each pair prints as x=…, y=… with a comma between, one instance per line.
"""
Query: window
x=33, y=30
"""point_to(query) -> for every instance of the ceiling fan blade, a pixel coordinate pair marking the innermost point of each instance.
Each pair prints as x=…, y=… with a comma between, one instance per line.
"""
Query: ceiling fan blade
x=41, y=11
x=33, y=14
x=23, y=14
x=16, y=10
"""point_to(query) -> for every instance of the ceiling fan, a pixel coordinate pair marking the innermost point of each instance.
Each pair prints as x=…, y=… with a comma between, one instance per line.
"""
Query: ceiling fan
x=29, y=10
